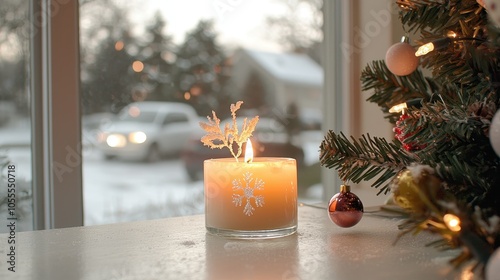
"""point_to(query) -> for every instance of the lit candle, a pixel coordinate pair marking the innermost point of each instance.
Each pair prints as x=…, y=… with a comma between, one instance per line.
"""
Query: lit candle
x=254, y=198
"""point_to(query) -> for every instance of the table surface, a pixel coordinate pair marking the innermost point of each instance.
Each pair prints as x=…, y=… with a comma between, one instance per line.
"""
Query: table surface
x=180, y=248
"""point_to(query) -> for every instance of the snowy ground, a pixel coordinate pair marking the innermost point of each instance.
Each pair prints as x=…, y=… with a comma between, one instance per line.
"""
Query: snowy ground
x=116, y=191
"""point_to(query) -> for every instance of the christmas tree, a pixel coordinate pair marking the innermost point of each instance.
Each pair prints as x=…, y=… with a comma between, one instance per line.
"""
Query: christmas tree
x=442, y=96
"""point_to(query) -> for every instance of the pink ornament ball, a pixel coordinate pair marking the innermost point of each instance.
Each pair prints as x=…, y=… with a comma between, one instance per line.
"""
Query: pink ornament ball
x=493, y=9
x=493, y=266
x=495, y=133
x=401, y=60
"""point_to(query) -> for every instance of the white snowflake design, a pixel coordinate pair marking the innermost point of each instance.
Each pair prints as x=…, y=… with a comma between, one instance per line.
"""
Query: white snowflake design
x=248, y=194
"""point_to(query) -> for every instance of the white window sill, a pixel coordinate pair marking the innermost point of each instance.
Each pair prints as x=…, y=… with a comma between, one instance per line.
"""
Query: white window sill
x=180, y=248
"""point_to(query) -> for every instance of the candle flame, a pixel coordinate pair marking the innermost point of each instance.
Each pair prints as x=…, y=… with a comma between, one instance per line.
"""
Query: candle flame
x=248, y=152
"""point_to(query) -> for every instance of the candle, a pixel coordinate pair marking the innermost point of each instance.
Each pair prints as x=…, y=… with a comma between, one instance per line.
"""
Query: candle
x=250, y=198
x=254, y=198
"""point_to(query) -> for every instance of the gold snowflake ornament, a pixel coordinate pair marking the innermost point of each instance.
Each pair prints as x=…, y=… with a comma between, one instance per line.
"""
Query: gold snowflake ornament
x=216, y=138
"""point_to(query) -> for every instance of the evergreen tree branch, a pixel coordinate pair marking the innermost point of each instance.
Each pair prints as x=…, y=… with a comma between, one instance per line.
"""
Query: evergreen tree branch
x=363, y=159
x=467, y=70
x=390, y=90
x=449, y=133
x=469, y=64
x=442, y=16
x=456, y=145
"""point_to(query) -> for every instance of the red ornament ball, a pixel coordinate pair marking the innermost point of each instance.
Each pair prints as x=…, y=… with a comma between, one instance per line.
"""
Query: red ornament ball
x=345, y=208
x=400, y=59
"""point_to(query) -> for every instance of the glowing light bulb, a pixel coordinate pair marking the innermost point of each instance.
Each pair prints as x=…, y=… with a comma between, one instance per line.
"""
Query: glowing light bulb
x=437, y=45
x=425, y=49
x=398, y=108
x=452, y=222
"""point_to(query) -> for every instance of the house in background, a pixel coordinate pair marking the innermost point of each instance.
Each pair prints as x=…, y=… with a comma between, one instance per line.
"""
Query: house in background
x=275, y=81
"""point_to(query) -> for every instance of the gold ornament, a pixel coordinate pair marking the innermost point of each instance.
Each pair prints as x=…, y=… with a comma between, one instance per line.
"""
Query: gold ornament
x=416, y=194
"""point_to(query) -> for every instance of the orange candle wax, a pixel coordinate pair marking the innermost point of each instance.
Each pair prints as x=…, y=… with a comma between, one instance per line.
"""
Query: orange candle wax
x=258, y=196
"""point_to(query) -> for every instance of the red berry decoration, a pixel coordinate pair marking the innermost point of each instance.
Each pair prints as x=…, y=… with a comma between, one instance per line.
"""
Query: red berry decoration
x=345, y=208
x=402, y=137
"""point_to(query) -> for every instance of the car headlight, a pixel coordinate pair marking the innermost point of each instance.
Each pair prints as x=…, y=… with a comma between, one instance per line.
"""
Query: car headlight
x=137, y=137
x=116, y=140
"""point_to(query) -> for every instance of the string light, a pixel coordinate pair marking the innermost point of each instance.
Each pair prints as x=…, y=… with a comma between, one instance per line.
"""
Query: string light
x=425, y=49
x=441, y=43
x=398, y=108
x=452, y=222
x=451, y=34
x=438, y=44
x=405, y=5
x=417, y=103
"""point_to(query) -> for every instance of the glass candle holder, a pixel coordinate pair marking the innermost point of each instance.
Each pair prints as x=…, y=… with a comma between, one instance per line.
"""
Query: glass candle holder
x=255, y=199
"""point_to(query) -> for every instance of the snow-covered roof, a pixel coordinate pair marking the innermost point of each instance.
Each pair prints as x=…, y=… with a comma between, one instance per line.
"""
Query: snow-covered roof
x=289, y=67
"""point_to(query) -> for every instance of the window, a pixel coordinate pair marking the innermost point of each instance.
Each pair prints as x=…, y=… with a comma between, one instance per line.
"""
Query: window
x=59, y=158
x=139, y=116
x=204, y=55
x=175, y=118
x=15, y=117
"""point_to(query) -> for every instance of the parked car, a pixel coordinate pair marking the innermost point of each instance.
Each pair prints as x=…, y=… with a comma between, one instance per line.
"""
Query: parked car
x=269, y=140
x=92, y=126
x=148, y=130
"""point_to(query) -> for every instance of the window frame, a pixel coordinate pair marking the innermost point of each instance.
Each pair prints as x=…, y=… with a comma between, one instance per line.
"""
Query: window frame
x=55, y=114
x=336, y=31
x=56, y=125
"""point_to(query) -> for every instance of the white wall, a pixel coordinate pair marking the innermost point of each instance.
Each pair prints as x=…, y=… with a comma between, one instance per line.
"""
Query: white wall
x=372, y=34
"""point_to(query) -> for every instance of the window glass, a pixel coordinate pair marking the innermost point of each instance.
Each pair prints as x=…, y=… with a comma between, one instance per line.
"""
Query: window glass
x=133, y=114
x=176, y=118
x=199, y=56
x=15, y=124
